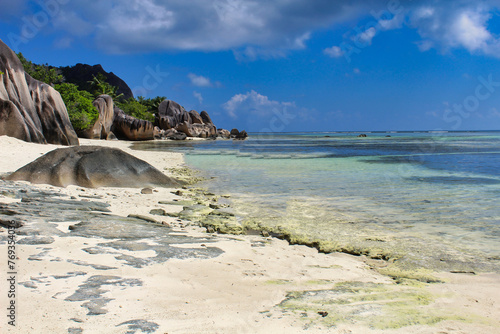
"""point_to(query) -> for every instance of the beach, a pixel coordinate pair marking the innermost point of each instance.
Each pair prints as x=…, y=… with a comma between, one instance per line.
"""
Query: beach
x=76, y=282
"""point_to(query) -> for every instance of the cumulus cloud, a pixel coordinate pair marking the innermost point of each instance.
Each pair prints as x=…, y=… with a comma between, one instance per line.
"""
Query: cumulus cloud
x=264, y=29
x=334, y=52
x=205, y=25
x=463, y=25
x=199, y=80
x=441, y=24
x=253, y=103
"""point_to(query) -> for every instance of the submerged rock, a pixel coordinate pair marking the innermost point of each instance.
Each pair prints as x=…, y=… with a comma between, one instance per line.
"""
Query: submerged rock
x=91, y=167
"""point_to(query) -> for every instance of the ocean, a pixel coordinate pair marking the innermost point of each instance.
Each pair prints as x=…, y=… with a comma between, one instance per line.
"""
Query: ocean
x=424, y=199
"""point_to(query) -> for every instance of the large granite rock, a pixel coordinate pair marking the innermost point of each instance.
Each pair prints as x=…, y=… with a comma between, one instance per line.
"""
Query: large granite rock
x=114, y=123
x=102, y=127
x=172, y=116
x=197, y=130
x=31, y=110
x=131, y=128
x=91, y=167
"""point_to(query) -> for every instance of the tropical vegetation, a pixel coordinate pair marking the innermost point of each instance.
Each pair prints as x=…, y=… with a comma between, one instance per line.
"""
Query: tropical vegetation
x=81, y=111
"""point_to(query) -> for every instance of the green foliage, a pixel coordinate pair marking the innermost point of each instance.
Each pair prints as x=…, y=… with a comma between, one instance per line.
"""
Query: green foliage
x=100, y=86
x=81, y=111
x=151, y=104
x=43, y=73
x=136, y=109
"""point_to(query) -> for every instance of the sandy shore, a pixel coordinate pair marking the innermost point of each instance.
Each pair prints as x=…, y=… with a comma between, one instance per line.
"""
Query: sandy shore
x=253, y=284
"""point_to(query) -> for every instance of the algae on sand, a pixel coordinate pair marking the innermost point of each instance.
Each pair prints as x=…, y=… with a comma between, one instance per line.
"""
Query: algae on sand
x=375, y=305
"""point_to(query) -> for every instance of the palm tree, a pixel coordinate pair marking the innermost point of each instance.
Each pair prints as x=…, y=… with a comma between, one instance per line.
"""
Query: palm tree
x=100, y=87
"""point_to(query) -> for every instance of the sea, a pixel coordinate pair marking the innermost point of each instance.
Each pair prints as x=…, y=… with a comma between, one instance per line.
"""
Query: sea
x=431, y=199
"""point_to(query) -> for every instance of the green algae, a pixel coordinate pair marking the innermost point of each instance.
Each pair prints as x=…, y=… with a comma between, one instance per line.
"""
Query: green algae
x=278, y=282
x=378, y=306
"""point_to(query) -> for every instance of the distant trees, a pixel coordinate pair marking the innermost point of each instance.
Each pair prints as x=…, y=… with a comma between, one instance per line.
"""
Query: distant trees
x=44, y=73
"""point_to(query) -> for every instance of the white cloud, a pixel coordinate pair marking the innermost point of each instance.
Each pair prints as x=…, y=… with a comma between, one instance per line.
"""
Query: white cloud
x=253, y=103
x=255, y=29
x=199, y=81
x=334, y=52
x=470, y=31
x=132, y=26
x=461, y=24
x=367, y=36
x=198, y=96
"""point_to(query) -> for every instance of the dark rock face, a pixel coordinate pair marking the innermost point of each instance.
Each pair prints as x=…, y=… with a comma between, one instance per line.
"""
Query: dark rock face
x=91, y=167
x=29, y=109
x=131, y=128
x=238, y=135
x=81, y=74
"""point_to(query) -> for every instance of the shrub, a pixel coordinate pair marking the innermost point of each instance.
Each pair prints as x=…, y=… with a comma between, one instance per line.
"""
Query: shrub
x=134, y=108
x=81, y=111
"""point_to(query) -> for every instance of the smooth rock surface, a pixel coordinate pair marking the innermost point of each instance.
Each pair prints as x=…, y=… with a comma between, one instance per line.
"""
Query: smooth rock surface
x=91, y=167
x=31, y=110
x=131, y=128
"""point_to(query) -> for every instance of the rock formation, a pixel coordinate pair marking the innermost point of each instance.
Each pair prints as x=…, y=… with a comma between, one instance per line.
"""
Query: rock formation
x=172, y=116
x=114, y=123
x=223, y=133
x=102, y=127
x=31, y=110
x=131, y=128
x=236, y=134
x=91, y=167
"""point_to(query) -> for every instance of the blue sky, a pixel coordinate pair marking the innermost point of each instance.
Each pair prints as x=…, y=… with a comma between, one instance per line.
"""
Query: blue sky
x=287, y=65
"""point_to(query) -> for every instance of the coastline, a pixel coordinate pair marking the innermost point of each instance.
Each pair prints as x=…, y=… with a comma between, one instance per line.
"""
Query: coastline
x=255, y=285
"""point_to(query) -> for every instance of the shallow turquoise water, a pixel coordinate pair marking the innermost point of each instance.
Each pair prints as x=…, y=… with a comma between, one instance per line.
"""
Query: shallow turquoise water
x=435, y=187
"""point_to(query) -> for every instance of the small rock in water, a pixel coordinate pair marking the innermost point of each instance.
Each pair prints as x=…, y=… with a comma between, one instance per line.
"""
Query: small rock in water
x=323, y=313
x=210, y=229
x=147, y=191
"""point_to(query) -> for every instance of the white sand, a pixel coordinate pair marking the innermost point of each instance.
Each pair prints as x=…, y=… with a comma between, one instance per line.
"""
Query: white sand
x=236, y=292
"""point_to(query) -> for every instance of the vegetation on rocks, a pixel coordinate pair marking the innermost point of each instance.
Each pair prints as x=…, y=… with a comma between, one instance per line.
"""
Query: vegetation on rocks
x=78, y=101
x=81, y=111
